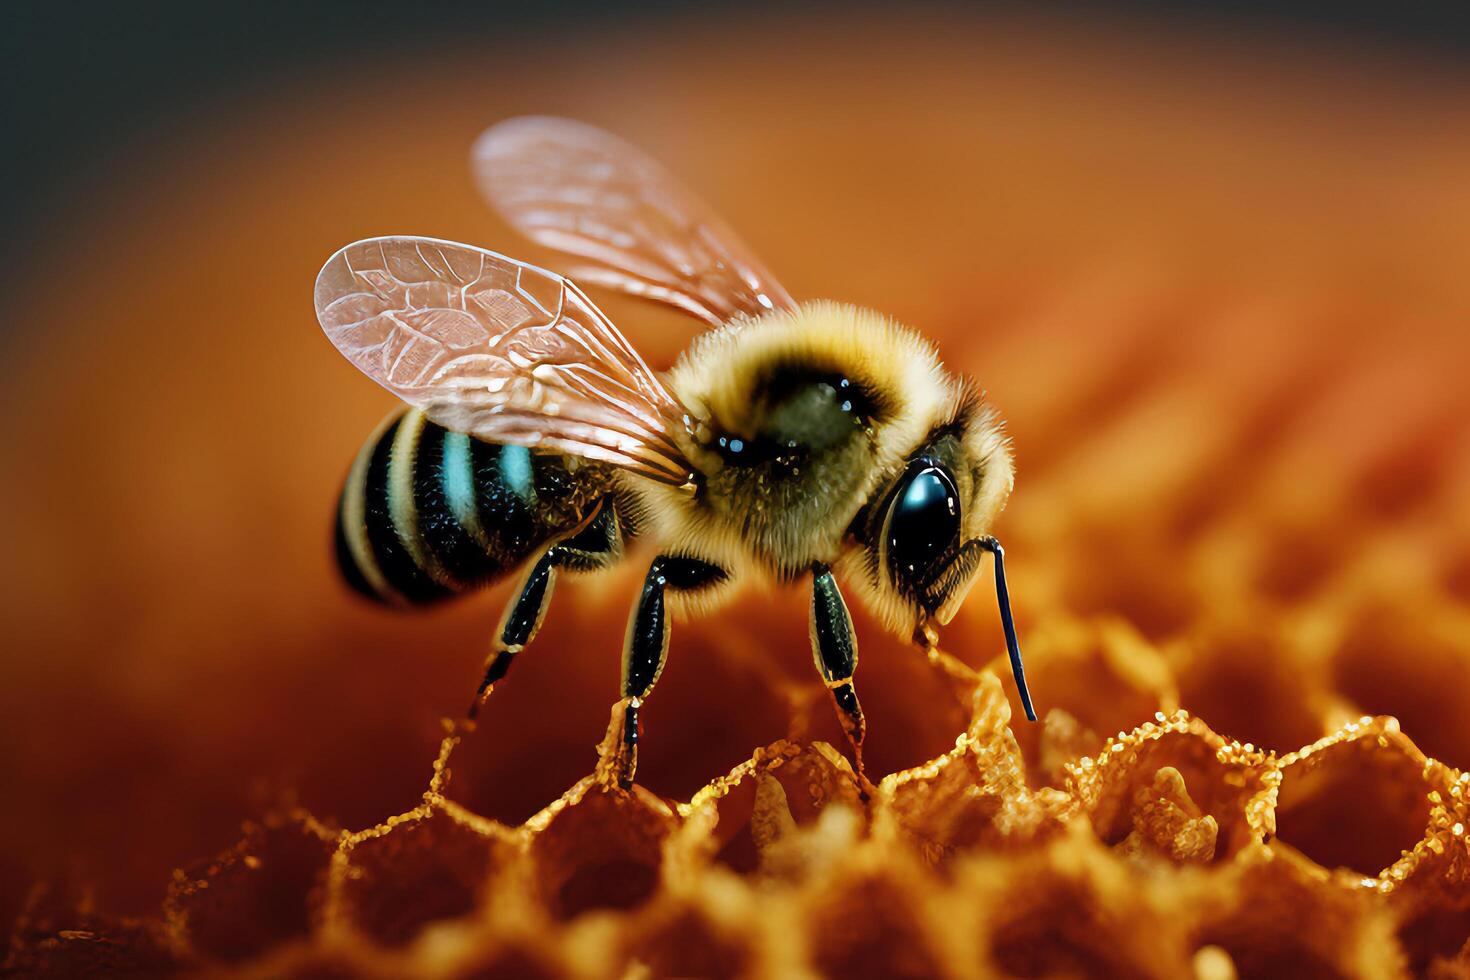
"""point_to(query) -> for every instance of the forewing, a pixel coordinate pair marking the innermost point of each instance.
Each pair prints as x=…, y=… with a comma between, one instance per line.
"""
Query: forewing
x=499, y=349
x=577, y=189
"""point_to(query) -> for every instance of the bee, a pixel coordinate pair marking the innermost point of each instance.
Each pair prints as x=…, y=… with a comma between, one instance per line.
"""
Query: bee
x=811, y=441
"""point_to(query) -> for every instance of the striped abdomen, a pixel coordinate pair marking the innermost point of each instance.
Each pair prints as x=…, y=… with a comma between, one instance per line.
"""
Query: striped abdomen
x=427, y=513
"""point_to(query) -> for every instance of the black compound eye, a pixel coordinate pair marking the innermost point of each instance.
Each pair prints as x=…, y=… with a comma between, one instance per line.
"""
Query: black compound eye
x=923, y=522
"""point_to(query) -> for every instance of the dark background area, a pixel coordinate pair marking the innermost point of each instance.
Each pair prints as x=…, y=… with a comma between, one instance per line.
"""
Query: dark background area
x=81, y=80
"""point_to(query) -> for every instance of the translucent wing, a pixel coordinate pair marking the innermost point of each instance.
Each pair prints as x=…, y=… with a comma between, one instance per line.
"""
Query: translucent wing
x=499, y=349
x=577, y=189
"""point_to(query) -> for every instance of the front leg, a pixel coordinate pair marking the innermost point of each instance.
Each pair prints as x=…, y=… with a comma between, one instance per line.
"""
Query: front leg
x=834, y=648
x=645, y=650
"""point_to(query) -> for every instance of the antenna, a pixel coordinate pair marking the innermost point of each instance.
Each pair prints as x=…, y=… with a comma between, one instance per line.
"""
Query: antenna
x=1013, y=647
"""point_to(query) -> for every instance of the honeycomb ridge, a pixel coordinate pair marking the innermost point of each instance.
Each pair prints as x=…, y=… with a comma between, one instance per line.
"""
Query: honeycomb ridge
x=1188, y=836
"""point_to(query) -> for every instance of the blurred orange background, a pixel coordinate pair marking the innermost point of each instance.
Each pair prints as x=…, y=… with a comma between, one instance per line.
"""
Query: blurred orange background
x=1215, y=282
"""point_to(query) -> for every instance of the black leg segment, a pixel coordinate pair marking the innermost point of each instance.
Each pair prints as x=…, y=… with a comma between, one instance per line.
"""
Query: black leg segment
x=595, y=546
x=518, y=626
x=834, y=648
x=647, y=644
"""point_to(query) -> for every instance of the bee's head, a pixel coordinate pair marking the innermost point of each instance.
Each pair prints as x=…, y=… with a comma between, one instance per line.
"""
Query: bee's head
x=924, y=536
x=923, y=529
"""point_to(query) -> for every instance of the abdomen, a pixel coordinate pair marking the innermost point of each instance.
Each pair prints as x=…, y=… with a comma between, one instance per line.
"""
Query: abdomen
x=427, y=513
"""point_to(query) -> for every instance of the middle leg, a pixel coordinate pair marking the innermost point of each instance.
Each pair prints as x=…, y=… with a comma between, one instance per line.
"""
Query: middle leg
x=646, y=648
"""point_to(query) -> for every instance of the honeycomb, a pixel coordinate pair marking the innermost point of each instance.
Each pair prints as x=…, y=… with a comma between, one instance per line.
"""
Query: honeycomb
x=1171, y=851
x=1238, y=550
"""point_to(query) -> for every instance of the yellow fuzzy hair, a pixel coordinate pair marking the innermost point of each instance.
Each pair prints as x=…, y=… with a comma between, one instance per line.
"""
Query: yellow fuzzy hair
x=716, y=379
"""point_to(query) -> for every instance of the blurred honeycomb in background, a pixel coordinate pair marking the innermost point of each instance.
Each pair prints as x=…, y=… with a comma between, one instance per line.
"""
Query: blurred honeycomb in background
x=1216, y=284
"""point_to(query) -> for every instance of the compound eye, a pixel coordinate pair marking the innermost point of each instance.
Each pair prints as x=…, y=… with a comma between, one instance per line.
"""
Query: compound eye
x=923, y=522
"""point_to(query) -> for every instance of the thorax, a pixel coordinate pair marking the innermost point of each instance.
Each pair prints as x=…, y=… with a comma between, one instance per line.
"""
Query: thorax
x=795, y=419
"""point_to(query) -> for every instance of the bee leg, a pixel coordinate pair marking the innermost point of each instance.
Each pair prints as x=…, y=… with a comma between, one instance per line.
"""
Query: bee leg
x=518, y=625
x=834, y=648
x=646, y=648
x=597, y=545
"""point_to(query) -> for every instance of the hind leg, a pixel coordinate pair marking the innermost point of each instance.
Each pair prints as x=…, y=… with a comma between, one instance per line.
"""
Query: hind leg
x=598, y=545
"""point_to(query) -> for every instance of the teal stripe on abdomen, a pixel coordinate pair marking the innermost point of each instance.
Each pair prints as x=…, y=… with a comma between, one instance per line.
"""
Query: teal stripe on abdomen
x=448, y=518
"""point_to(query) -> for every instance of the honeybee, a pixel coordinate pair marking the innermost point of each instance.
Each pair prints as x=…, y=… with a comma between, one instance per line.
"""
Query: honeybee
x=798, y=441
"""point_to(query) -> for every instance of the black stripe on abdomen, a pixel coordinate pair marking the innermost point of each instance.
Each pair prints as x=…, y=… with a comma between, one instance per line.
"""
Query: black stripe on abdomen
x=394, y=560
